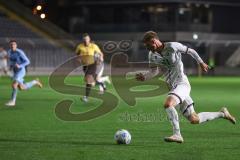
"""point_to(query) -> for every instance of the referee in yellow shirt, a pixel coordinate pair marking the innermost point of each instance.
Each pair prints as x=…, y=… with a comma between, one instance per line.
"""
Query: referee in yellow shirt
x=86, y=52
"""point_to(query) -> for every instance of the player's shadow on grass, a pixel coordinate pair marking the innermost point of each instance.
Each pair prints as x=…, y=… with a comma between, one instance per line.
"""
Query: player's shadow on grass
x=80, y=143
x=4, y=108
x=56, y=142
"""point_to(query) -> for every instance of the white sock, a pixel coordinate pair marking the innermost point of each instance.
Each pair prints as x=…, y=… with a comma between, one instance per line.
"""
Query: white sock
x=173, y=117
x=101, y=88
x=208, y=116
x=103, y=79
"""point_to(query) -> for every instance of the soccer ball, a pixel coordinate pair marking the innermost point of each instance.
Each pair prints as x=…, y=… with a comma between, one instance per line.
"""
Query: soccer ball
x=97, y=57
x=122, y=136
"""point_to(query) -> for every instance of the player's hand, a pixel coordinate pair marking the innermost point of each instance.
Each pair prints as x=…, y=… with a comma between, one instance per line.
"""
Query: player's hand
x=78, y=59
x=140, y=77
x=17, y=66
x=101, y=59
x=204, y=67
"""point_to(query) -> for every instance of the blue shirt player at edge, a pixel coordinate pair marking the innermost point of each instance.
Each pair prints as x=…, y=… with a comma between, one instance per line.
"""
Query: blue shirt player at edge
x=18, y=61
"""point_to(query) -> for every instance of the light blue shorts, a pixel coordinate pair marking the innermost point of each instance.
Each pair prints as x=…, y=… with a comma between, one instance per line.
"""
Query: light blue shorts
x=19, y=75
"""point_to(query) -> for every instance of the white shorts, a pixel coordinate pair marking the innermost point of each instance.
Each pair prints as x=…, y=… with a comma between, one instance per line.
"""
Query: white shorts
x=99, y=69
x=181, y=91
x=182, y=95
x=187, y=107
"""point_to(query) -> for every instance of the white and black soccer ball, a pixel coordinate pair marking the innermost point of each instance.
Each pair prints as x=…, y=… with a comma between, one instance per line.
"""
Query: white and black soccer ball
x=97, y=57
x=122, y=136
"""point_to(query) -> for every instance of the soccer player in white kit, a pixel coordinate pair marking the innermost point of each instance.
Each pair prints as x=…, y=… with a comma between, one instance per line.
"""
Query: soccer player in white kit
x=100, y=79
x=167, y=57
x=3, y=61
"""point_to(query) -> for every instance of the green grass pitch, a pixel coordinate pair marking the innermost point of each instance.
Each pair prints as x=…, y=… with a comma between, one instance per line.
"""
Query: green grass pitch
x=31, y=130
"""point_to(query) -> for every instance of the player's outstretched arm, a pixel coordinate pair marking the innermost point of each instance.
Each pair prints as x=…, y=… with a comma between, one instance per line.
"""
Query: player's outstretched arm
x=149, y=75
x=194, y=54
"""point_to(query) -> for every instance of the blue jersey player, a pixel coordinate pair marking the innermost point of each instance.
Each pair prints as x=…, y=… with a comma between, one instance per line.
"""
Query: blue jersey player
x=18, y=61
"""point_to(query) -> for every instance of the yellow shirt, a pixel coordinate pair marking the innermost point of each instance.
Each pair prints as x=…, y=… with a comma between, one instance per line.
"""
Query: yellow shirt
x=87, y=52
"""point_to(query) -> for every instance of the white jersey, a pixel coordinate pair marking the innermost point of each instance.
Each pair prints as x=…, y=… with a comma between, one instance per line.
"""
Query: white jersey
x=3, y=60
x=170, y=62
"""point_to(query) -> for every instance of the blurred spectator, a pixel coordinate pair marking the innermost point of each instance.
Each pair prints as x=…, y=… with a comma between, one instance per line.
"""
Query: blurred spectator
x=3, y=61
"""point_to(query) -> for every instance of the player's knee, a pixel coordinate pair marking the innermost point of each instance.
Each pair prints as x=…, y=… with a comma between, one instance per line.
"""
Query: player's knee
x=98, y=79
x=21, y=87
x=167, y=105
x=170, y=102
x=15, y=85
x=89, y=79
x=194, y=119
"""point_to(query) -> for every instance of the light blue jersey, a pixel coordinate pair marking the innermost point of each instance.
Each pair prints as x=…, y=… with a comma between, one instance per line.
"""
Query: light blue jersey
x=18, y=57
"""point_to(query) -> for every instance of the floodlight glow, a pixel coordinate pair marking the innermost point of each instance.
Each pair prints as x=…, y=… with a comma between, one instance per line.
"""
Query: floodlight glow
x=39, y=7
x=195, y=36
x=42, y=15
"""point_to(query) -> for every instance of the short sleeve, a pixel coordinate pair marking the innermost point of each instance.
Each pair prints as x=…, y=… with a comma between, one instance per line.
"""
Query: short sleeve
x=96, y=48
x=78, y=49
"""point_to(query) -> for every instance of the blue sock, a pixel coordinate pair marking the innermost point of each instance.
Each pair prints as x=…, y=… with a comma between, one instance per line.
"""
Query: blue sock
x=30, y=84
x=14, y=94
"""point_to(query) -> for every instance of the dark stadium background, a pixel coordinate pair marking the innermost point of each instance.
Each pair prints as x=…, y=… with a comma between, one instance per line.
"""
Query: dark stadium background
x=211, y=27
x=39, y=127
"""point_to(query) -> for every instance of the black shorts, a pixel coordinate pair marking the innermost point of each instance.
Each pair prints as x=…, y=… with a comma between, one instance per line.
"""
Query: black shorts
x=90, y=69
